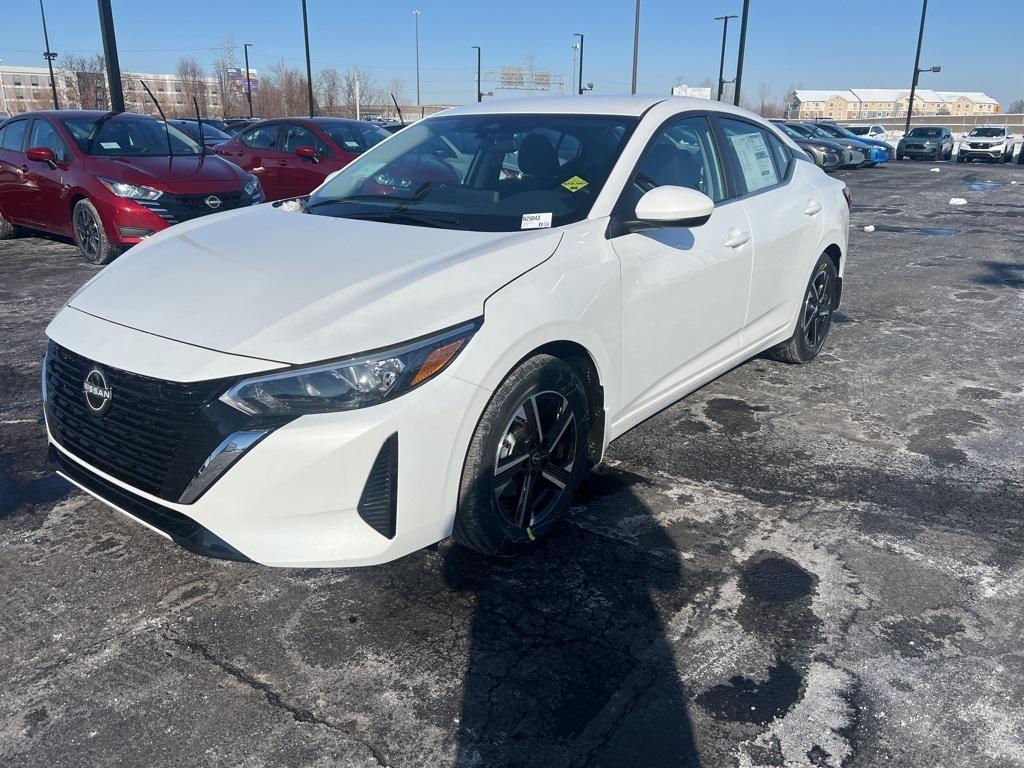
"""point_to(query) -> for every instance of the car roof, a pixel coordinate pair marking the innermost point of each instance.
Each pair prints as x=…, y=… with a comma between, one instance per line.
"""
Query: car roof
x=631, y=106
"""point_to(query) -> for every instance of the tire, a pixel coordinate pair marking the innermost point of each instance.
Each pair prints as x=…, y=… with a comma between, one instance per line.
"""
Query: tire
x=516, y=484
x=961, y=159
x=815, y=317
x=949, y=154
x=90, y=237
x=7, y=230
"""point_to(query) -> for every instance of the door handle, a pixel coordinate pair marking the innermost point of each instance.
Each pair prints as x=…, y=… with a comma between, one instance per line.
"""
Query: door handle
x=813, y=206
x=737, y=237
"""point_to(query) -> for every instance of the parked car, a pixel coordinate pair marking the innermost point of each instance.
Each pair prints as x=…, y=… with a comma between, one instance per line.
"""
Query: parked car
x=398, y=359
x=987, y=142
x=876, y=132
x=216, y=122
x=212, y=136
x=292, y=155
x=881, y=151
x=855, y=153
x=109, y=179
x=933, y=142
x=392, y=127
x=829, y=155
x=235, y=125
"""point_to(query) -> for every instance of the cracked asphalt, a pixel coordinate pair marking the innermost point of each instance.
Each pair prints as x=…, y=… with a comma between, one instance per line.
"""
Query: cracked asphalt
x=795, y=566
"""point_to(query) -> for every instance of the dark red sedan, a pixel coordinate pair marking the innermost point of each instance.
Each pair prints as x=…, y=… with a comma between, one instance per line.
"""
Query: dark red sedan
x=292, y=156
x=110, y=179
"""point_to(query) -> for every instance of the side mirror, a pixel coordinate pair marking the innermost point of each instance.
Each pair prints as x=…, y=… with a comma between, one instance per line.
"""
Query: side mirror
x=675, y=206
x=308, y=153
x=42, y=155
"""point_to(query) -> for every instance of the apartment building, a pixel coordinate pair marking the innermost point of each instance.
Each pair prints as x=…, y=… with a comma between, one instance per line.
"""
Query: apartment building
x=23, y=89
x=868, y=103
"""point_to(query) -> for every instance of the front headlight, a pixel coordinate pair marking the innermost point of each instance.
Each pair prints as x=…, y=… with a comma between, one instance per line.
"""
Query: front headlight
x=353, y=383
x=253, y=185
x=132, y=191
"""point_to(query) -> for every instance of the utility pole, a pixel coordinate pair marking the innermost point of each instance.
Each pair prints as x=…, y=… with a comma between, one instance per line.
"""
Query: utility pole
x=417, y=15
x=110, y=56
x=580, y=36
x=575, y=47
x=309, y=69
x=721, y=63
x=479, y=93
x=743, y=47
x=49, y=56
x=917, y=66
x=358, y=96
x=636, y=43
x=248, y=82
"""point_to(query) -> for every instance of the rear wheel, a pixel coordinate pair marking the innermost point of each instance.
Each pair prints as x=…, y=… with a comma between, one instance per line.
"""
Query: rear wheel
x=90, y=236
x=526, y=459
x=7, y=230
x=815, y=318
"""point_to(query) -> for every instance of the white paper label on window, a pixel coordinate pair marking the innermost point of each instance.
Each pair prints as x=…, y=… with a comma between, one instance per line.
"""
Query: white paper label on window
x=536, y=221
x=110, y=145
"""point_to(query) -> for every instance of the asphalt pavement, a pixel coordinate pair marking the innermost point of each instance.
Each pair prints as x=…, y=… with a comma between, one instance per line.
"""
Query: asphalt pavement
x=813, y=565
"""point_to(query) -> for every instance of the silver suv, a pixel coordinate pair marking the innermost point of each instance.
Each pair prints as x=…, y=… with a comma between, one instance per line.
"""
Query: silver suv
x=989, y=142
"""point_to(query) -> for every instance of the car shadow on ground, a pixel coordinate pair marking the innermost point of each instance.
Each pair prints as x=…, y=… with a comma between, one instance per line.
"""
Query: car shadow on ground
x=569, y=661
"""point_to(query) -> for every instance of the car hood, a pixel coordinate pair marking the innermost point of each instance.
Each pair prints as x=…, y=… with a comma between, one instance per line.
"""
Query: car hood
x=298, y=288
x=162, y=171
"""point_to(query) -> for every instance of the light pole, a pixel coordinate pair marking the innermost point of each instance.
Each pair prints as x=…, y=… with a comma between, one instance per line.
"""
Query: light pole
x=309, y=69
x=721, y=63
x=575, y=47
x=417, y=15
x=917, y=67
x=248, y=82
x=636, y=43
x=580, y=36
x=49, y=56
x=743, y=47
x=479, y=93
x=110, y=56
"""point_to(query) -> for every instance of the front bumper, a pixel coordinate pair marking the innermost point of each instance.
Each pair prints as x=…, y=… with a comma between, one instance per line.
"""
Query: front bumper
x=997, y=152
x=128, y=222
x=919, y=150
x=294, y=498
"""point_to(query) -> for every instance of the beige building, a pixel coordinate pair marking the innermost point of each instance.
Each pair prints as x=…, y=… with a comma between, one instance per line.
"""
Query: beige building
x=868, y=103
x=25, y=89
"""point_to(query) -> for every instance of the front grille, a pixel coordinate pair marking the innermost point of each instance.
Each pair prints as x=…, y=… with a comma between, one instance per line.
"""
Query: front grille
x=914, y=146
x=175, y=209
x=154, y=435
x=977, y=145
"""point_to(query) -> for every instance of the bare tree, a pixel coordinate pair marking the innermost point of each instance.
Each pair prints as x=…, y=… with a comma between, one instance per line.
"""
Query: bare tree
x=85, y=80
x=226, y=60
x=329, y=86
x=193, y=85
x=1016, y=107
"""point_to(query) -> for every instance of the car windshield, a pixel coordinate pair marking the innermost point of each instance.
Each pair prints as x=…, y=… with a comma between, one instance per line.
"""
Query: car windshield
x=859, y=130
x=988, y=132
x=812, y=131
x=925, y=133
x=494, y=173
x=209, y=131
x=354, y=137
x=791, y=131
x=120, y=136
x=834, y=131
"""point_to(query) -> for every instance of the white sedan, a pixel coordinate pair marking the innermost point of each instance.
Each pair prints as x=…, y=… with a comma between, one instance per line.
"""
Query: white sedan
x=424, y=348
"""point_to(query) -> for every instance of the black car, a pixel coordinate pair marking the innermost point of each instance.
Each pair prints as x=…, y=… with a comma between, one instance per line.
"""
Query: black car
x=933, y=142
x=212, y=136
x=827, y=154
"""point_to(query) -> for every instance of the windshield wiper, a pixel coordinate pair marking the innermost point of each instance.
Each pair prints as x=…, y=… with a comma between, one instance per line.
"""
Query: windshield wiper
x=405, y=217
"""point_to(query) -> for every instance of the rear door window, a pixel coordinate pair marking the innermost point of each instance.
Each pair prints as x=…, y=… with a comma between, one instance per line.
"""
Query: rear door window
x=262, y=137
x=300, y=136
x=45, y=135
x=751, y=153
x=13, y=137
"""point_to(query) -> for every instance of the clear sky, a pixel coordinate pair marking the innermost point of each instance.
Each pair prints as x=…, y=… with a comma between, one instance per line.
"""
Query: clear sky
x=803, y=43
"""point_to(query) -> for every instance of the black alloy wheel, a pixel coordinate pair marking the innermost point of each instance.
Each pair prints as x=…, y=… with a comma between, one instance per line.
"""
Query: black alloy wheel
x=87, y=233
x=816, y=318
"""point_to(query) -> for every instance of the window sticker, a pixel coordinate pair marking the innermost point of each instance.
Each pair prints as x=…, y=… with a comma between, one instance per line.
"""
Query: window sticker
x=110, y=145
x=755, y=162
x=575, y=184
x=536, y=221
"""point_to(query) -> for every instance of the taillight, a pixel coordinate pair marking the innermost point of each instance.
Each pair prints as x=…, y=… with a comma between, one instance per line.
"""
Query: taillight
x=848, y=195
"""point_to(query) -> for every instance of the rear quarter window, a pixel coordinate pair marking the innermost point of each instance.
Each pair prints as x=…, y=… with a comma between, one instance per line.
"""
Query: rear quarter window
x=12, y=136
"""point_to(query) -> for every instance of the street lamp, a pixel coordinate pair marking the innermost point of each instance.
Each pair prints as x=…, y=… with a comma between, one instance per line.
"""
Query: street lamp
x=309, y=69
x=417, y=15
x=743, y=47
x=580, y=36
x=636, y=44
x=917, y=67
x=49, y=56
x=248, y=82
x=721, y=63
x=479, y=94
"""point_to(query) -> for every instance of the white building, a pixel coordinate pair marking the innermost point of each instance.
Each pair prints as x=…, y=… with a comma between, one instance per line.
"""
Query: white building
x=866, y=103
x=23, y=89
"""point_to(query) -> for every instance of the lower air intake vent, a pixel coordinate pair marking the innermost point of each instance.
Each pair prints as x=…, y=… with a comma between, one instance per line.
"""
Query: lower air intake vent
x=378, y=506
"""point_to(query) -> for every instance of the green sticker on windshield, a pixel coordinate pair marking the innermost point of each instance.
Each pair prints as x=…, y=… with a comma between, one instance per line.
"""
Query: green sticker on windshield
x=575, y=184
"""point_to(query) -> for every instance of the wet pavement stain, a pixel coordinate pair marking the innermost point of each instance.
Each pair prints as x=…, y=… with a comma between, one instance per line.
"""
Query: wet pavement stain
x=776, y=580
x=981, y=186
x=925, y=231
x=934, y=438
x=915, y=638
x=749, y=701
x=734, y=415
x=43, y=490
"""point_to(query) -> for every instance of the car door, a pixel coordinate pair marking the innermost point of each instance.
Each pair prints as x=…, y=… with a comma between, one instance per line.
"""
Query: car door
x=684, y=289
x=13, y=165
x=301, y=175
x=46, y=201
x=784, y=211
x=257, y=152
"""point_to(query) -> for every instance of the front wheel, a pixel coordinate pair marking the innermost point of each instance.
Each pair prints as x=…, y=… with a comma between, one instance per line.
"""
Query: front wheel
x=7, y=229
x=526, y=459
x=90, y=235
x=815, y=318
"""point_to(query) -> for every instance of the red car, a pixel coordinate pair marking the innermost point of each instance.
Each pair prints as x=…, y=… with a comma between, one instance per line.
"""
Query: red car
x=109, y=179
x=292, y=156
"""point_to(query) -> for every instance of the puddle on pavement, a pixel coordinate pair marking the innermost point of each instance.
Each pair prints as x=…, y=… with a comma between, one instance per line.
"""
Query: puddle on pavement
x=925, y=231
x=749, y=701
x=775, y=580
x=982, y=186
